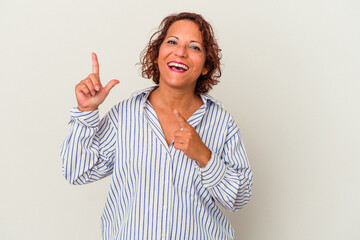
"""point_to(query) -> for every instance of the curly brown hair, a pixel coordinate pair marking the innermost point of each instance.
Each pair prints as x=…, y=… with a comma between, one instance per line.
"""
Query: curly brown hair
x=148, y=57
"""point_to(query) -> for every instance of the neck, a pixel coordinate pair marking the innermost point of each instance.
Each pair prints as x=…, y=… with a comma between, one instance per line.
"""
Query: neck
x=174, y=99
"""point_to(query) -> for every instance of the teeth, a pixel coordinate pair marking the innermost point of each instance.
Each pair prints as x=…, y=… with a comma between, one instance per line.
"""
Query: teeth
x=174, y=64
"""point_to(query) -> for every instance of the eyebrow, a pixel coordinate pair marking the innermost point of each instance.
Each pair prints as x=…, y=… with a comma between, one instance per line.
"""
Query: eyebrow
x=190, y=41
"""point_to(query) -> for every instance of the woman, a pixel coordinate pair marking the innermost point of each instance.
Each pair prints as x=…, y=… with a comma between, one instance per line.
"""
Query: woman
x=172, y=150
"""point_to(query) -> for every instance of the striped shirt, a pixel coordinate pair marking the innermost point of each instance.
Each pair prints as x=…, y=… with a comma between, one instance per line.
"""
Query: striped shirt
x=156, y=191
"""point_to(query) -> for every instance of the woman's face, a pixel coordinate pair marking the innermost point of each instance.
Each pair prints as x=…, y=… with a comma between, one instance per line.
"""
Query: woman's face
x=182, y=56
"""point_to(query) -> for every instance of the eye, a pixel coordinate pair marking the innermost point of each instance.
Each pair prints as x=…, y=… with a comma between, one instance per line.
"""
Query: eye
x=171, y=42
x=196, y=48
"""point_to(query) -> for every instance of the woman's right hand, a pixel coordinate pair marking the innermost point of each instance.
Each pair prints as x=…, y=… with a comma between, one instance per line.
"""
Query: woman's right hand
x=89, y=92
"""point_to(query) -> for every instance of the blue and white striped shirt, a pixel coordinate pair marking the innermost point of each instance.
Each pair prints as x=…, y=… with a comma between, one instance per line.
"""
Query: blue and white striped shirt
x=156, y=191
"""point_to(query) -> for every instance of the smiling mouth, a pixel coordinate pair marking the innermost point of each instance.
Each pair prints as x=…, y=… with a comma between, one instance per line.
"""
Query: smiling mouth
x=177, y=67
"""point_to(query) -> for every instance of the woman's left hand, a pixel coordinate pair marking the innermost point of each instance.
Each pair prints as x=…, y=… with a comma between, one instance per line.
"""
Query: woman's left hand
x=188, y=140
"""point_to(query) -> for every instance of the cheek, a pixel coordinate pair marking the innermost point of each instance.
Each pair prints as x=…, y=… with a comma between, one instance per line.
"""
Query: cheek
x=202, y=59
x=163, y=51
x=201, y=64
x=160, y=59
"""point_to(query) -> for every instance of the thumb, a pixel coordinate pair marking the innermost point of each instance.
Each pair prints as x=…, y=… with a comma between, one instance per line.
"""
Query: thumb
x=111, y=84
x=181, y=119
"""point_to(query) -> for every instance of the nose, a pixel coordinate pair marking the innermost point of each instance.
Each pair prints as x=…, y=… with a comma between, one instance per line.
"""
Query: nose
x=181, y=51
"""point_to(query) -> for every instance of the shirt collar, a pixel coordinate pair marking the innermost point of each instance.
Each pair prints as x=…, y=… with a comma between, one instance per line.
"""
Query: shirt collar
x=207, y=98
x=145, y=92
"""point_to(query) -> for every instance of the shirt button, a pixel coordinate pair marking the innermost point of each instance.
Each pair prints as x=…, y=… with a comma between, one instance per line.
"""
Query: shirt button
x=163, y=235
x=166, y=181
x=165, y=207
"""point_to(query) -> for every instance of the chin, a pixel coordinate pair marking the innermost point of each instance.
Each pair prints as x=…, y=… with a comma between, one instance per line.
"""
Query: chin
x=180, y=85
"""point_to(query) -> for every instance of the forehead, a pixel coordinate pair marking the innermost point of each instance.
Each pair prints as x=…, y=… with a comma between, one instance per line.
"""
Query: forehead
x=185, y=29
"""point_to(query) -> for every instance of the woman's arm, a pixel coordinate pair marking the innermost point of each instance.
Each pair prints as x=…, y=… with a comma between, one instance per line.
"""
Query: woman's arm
x=228, y=176
x=88, y=151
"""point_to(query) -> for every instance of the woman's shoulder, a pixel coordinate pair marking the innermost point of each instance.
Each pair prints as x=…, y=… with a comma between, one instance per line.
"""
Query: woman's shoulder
x=214, y=104
x=218, y=112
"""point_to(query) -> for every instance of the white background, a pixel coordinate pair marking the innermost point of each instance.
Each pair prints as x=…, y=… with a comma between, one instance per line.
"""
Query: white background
x=291, y=73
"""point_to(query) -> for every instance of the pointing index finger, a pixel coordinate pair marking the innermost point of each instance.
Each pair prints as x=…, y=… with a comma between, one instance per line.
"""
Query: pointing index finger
x=95, y=64
x=181, y=119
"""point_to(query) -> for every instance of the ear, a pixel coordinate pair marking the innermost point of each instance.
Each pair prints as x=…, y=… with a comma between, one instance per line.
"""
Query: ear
x=204, y=71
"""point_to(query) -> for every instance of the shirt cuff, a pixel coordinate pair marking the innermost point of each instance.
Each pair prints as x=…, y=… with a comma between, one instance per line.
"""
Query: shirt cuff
x=88, y=119
x=214, y=171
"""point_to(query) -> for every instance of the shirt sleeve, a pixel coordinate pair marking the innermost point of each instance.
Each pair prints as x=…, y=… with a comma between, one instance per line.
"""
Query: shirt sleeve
x=228, y=176
x=88, y=151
